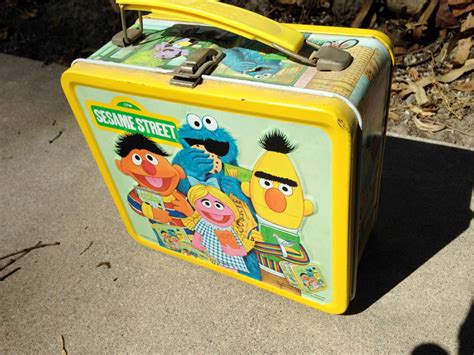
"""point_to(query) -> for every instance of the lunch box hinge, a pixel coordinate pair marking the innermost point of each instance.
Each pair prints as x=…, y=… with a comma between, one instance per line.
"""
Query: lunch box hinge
x=128, y=36
x=324, y=58
x=202, y=62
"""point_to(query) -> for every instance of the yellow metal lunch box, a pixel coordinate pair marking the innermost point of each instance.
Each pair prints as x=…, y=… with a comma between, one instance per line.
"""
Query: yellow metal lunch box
x=249, y=147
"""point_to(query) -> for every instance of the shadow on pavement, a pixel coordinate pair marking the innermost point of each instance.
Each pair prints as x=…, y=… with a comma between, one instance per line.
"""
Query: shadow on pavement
x=465, y=339
x=466, y=334
x=424, y=205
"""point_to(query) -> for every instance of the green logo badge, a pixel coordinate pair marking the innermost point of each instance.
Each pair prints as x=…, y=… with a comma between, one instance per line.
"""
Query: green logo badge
x=123, y=118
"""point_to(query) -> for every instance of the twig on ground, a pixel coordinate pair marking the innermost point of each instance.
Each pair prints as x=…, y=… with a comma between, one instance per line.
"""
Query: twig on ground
x=2, y=278
x=86, y=249
x=446, y=102
x=27, y=250
x=22, y=254
x=63, y=346
x=459, y=131
x=104, y=263
x=56, y=137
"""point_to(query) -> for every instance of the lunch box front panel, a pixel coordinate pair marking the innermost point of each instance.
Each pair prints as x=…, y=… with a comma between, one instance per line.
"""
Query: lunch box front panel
x=267, y=171
x=281, y=180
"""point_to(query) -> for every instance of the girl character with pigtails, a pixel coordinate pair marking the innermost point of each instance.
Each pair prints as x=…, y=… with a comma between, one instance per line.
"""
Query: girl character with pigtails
x=214, y=223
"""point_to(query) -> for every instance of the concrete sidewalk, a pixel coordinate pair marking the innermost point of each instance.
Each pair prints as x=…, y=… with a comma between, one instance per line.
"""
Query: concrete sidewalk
x=415, y=280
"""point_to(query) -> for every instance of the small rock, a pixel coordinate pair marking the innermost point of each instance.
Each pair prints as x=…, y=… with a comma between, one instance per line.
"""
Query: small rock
x=411, y=100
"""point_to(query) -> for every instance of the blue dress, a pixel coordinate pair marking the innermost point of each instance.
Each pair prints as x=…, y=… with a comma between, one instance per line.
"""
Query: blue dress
x=214, y=247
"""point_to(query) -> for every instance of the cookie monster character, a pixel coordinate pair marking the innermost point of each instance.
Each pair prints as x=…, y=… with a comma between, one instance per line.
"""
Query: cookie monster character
x=252, y=63
x=206, y=148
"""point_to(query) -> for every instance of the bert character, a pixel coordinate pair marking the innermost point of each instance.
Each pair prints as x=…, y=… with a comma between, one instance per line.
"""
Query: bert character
x=276, y=194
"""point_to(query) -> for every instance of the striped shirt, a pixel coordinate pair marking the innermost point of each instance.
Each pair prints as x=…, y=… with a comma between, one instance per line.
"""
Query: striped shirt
x=136, y=205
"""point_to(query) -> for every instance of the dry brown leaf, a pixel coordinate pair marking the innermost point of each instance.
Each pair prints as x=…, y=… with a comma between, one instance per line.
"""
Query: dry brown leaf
x=29, y=14
x=362, y=14
x=462, y=51
x=468, y=24
x=444, y=16
x=425, y=16
x=431, y=108
x=443, y=53
x=420, y=83
x=413, y=73
x=420, y=94
x=468, y=86
x=406, y=7
x=420, y=111
x=427, y=126
x=373, y=20
x=397, y=87
x=393, y=116
x=400, y=50
x=459, y=3
x=456, y=73
x=462, y=11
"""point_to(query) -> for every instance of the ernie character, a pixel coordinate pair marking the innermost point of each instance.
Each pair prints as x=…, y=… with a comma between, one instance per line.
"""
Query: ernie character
x=145, y=162
x=277, y=196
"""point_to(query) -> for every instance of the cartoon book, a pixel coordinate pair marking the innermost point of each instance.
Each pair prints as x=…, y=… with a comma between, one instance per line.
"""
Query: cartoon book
x=238, y=172
x=187, y=249
x=150, y=197
x=227, y=240
x=273, y=235
x=171, y=236
x=309, y=278
x=168, y=236
x=288, y=272
x=245, y=221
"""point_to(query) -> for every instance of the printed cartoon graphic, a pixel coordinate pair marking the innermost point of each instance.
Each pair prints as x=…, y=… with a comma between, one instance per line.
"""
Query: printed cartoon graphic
x=215, y=226
x=169, y=50
x=206, y=148
x=169, y=238
x=277, y=196
x=172, y=237
x=307, y=278
x=189, y=250
x=253, y=63
x=344, y=44
x=155, y=197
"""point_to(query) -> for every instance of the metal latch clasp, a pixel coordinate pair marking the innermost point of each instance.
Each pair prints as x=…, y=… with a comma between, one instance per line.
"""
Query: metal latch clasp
x=202, y=62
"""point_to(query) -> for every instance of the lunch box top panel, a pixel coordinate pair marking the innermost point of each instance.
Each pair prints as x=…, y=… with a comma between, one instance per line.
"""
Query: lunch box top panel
x=166, y=45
